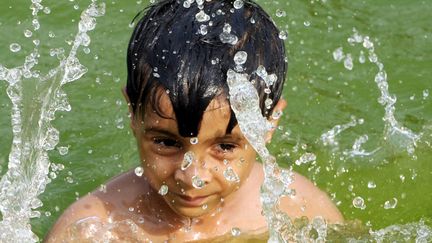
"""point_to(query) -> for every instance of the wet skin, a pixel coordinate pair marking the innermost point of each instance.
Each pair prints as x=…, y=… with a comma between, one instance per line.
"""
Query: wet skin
x=186, y=212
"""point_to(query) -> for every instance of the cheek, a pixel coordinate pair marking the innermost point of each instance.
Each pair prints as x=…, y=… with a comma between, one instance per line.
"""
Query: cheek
x=159, y=170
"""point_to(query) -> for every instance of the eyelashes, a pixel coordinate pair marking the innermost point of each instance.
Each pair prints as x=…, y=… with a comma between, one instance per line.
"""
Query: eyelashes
x=170, y=144
x=227, y=147
x=167, y=143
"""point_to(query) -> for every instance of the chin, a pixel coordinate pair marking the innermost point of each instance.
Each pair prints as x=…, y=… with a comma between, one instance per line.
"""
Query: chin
x=193, y=212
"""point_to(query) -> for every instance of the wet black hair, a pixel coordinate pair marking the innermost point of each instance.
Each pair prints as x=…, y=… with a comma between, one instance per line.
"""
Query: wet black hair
x=167, y=53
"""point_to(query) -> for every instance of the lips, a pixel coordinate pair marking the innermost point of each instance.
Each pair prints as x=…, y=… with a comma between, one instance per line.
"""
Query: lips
x=195, y=201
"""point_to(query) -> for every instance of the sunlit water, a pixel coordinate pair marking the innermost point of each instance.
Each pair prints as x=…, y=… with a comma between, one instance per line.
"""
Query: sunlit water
x=346, y=158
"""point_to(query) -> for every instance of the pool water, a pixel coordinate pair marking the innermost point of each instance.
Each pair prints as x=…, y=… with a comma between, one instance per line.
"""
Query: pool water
x=96, y=144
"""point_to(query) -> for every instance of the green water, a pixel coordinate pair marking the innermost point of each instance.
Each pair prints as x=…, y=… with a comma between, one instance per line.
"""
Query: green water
x=320, y=92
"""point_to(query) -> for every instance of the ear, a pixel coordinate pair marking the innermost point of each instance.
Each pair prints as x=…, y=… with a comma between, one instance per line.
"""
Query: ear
x=131, y=114
x=274, y=120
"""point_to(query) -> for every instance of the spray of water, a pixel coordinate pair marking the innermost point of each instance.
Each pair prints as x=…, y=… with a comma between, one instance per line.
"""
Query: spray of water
x=35, y=99
x=396, y=135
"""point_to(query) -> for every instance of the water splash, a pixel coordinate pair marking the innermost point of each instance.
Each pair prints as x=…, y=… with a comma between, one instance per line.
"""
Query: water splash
x=396, y=135
x=33, y=134
x=244, y=101
x=357, y=150
x=329, y=138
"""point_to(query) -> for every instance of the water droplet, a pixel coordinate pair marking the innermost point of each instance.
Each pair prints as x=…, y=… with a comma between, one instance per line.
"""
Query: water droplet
x=188, y=159
x=47, y=10
x=235, y=231
x=371, y=184
x=63, y=150
x=103, y=188
x=280, y=13
x=36, y=42
x=194, y=140
x=163, y=190
x=52, y=175
x=367, y=43
x=28, y=33
x=139, y=171
x=186, y=4
x=197, y=182
x=131, y=209
x=271, y=79
x=141, y=220
x=69, y=180
x=306, y=23
x=15, y=47
x=201, y=16
x=348, y=62
x=35, y=214
x=358, y=202
x=390, y=204
x=261, y=72
x=203, y=29
x=425, y=93
x=51, y=34
x=240, y=57
x=306, y=158
x=268, y=102
x=277, y=114
x=283, y=35
x=230, y=175
x=226, y=36
x=204, y=207
x=238, y=4
x=338, y=54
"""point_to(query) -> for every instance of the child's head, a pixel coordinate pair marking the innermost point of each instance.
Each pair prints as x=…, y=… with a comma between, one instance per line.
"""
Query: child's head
x=177, y=71
x=171, y=51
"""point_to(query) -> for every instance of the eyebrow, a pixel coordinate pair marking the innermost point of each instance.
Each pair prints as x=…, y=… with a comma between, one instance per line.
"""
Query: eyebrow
x=161, y=131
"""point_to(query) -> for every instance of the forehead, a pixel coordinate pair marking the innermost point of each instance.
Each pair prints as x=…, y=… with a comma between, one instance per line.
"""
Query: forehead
x=213, y=123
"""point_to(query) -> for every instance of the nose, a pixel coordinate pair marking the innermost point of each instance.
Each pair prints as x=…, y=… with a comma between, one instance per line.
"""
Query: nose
x=195, y=174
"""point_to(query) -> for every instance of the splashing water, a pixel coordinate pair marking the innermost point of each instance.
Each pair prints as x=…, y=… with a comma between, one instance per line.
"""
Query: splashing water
x=276, y=180
x=244, y=102
x=329, y=138
x=357, y=150
x=398, y=136
x=33, y=134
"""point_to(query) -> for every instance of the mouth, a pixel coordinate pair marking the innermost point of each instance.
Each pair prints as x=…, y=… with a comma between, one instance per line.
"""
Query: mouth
x=192, y=201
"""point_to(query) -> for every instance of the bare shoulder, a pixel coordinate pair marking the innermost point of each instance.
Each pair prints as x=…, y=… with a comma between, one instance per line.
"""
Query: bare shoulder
x=88, y=208
x=94, y=209
x=309, y=201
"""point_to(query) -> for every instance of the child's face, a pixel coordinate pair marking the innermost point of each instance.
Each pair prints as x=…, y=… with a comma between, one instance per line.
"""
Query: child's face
x=217, y=157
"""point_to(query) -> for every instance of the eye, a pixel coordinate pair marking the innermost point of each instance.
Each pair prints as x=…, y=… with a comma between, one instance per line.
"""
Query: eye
x=226, y=147
x=166, y=142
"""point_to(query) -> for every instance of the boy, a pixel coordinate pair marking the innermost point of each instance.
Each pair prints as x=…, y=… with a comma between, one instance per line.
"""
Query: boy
x=199, y=178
